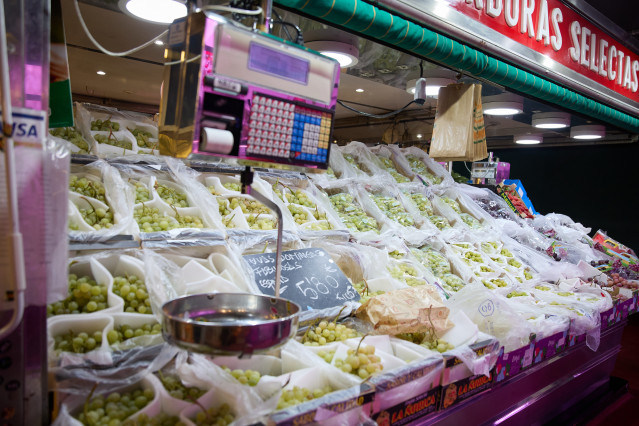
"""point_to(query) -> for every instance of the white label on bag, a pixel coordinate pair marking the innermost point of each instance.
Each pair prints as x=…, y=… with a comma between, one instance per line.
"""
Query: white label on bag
x=527, y=359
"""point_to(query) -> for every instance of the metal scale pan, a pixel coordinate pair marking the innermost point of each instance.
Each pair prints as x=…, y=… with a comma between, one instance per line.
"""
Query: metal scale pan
x=229, y=323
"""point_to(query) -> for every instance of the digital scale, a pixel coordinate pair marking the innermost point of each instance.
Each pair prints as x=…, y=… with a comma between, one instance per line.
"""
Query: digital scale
x=235, y=93
x=489, y=172
x=232, y=92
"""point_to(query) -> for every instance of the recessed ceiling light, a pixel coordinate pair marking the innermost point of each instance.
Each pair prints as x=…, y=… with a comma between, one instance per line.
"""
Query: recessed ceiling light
x=588, y=132
x=359, y=90
x=345, y=53
x=157, y=11
x=551, y=120
x=419, y=136
x=528, y=139
x=504, y=104
x=159, y=42
x=100, y=73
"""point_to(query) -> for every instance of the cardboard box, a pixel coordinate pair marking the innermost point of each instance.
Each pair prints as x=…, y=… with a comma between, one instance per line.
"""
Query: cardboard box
x=405, y=412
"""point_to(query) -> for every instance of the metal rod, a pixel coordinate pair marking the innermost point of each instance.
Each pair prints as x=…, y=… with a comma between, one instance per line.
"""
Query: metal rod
x=247, y=180
x=278, y=259
x=267, y=8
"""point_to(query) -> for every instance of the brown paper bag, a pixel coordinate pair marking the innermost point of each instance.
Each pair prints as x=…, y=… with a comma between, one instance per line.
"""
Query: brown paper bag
x=408, y=310
x=459, y=133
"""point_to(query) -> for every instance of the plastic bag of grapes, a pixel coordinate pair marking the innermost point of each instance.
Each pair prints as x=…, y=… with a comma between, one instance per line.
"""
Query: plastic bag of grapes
x=363, y=163
x=101, y=203
x=73, y=339
x=392, y=161
x=121, y=405
x=90, y=290
x=512, y=330
x=338, y=168
x=386, y=205
x=427, y=168
x=227, y=400
x=72, y=139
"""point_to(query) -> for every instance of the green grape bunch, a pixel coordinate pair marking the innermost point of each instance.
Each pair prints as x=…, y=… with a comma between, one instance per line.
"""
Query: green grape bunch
x=423, y=204
x=300, y=216
x=390, y=168
x=327, y=332
x=215, y=416
x=452, y=203
x=149, y=219
x=226, y=206
x=162, y=419
x=297, y=395
x=113, y=141
x=78, y=343
x=99, y=218
x=125, y=332
x=143, y=137
x=85, y=296
x=178, y=390
x=72, y=135
x=115, y=408
x=245, y=377
x=351, y=214
x=142, y=192
x=300, y=197
x=393, y=209
x=87, y=187
x=361, y=362
x=364, y=291
x=420, y=168
x=171, y=196
x=105, y=126
x=132, y=289
x=261, y=223
x=440, y=222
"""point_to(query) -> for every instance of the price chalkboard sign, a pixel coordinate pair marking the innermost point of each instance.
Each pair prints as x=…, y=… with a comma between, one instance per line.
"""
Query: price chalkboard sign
x=309, y=278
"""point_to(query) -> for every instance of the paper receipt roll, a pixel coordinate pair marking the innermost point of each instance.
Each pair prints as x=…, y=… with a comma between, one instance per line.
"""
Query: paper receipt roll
x=216, y=140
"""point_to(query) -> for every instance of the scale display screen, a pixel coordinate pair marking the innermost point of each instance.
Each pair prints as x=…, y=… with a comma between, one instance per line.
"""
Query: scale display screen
x=274, y=62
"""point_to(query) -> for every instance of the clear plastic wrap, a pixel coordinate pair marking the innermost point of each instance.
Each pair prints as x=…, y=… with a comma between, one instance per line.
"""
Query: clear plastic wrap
x=430, y=170
x=364, y=163
x=393, y=162
x=493, y=315
x=56, y=170
x=491, y=203
x=137, y=133
x=354, y=214
x=309, y=209
x=104, y=195
x=338, y=169
x=384, y=203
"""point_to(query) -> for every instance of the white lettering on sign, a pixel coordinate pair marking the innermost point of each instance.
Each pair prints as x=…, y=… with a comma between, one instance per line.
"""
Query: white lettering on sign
x=547, y=23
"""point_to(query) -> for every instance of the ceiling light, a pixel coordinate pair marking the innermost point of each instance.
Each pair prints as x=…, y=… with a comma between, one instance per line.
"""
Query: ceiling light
x=419, y=136
x=346, y=54
x=588, y=132
x=159, y=42
x=528, y=139
x=359, y=90
x=504, y=104
x=100, y=73
x=551, y=120
x=433, y=84
x=157, y=11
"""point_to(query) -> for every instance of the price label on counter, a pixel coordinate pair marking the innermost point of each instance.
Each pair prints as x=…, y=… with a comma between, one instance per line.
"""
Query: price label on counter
x=309, y=278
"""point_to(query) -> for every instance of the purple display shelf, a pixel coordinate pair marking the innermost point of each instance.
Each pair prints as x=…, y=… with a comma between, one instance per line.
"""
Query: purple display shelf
x=541, y=392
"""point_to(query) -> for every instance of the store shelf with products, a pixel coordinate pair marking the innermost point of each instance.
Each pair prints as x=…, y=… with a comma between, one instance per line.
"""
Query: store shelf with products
x=493, y=319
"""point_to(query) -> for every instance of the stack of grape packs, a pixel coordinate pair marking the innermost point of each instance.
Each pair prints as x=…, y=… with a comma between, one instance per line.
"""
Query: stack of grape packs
x=108, y=308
